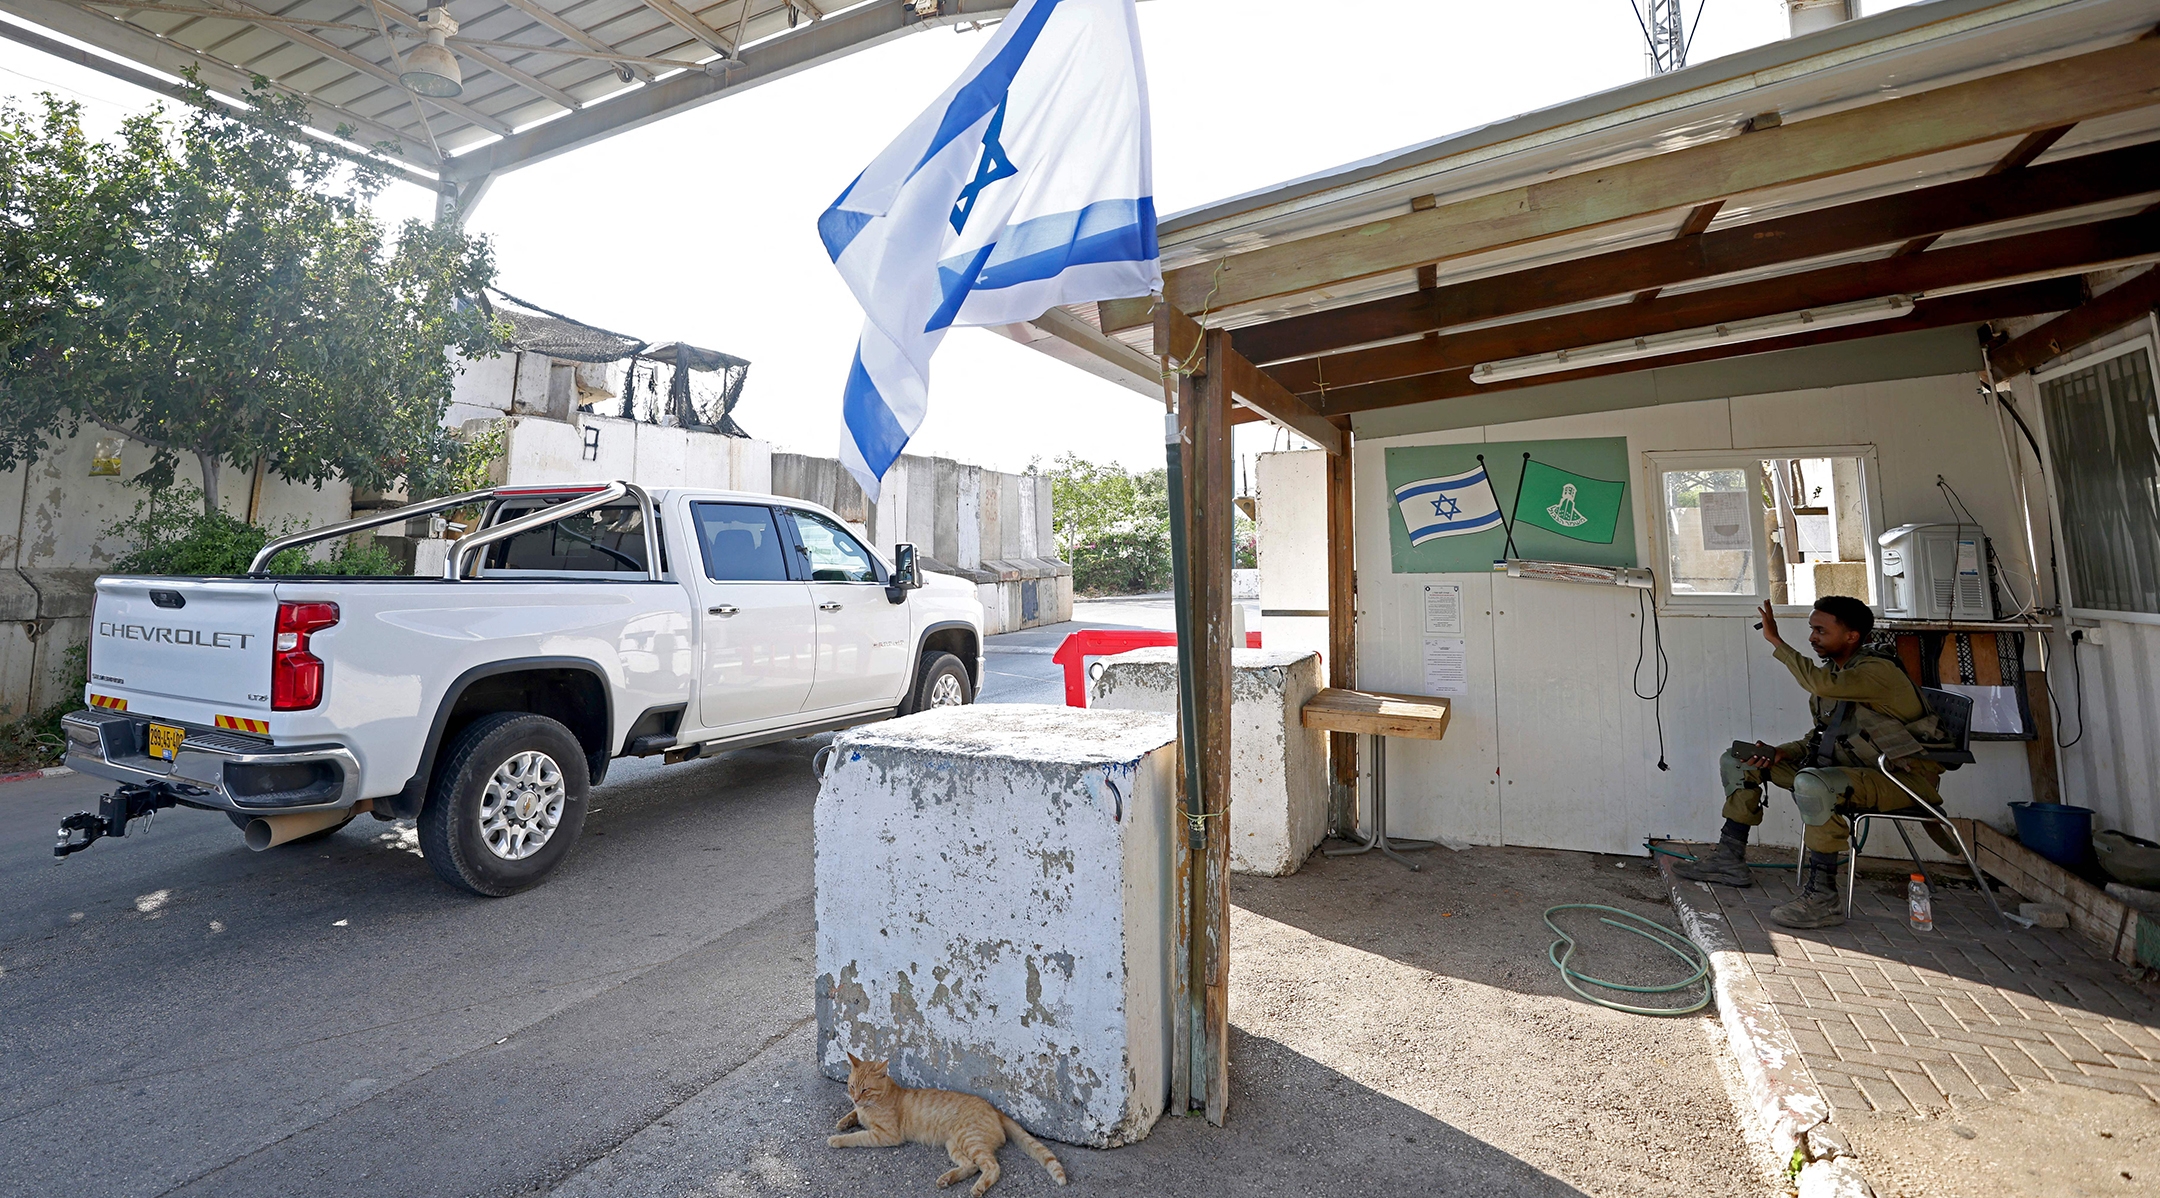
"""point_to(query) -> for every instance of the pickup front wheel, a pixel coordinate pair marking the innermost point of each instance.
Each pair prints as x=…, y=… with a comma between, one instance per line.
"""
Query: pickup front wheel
x=507, y=804
x=941, y=682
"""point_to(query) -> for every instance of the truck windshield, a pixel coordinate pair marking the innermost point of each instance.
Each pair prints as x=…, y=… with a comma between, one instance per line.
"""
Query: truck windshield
x=607, y=540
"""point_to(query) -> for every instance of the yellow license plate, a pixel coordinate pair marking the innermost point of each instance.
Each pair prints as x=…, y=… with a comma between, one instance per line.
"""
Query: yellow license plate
x=165, y=740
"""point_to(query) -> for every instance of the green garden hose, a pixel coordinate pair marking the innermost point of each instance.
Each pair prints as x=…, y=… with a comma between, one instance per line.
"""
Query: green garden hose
x=1651, y=930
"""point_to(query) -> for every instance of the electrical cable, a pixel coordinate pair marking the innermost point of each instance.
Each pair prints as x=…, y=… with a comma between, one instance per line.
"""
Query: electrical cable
x=1646, y=610
x=2077, y=673
x=1961, y=515
x=1651, y=930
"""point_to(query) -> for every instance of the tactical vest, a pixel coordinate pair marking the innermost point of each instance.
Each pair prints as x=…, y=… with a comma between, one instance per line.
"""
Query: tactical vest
x=1868, y=734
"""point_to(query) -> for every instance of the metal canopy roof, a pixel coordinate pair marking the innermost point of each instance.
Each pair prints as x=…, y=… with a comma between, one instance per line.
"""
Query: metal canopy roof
x=541, y=77
x=1381, y=283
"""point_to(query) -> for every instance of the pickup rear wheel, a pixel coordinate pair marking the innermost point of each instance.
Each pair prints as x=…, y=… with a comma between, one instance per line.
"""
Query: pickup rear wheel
x=941, y=682
x=507, y=804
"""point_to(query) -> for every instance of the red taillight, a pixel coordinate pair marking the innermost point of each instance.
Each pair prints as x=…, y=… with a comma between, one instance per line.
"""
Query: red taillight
x=296, y=675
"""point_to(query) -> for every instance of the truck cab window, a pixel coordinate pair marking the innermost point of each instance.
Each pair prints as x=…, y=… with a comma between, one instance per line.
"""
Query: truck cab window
x=835, y=555
x=608, y=540
x=740, y=541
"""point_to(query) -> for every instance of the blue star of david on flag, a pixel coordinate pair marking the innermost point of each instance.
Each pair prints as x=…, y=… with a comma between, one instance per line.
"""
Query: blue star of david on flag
x=1460, y=504
x=995, y=165
x=1028, y=184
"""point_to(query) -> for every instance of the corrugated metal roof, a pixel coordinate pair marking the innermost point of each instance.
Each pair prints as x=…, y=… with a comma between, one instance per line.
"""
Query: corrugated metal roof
x=539, y=76
x=1906, y=50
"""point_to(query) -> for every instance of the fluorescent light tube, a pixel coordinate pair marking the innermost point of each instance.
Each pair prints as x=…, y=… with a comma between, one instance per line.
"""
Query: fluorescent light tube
x=1658, y=345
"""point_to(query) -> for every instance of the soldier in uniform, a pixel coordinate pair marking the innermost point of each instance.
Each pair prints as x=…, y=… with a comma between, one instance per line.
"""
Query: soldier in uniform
x=1863, y=705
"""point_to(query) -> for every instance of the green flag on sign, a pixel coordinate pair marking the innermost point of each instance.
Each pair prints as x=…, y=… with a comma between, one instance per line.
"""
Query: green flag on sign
x=1556, y=500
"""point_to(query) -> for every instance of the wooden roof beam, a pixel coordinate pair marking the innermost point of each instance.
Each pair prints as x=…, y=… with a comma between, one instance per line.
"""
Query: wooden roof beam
x=1974, y=307
x=1179, y=339
x=1946, y=118
x=2021, y=155
x=1946, y=207
x=2081, y=325
x=1698, y=219
x=2056, y=251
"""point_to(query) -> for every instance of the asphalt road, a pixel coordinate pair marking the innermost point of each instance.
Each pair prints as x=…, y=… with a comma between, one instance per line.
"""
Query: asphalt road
x=179, y=1015
x=186, y=1016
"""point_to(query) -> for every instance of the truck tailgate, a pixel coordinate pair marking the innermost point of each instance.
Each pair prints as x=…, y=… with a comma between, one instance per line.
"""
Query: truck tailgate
x=178, y=646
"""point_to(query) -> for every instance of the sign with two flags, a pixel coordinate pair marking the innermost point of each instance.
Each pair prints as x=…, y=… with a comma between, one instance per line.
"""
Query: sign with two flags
x=1028, y=184
x=1572, y=505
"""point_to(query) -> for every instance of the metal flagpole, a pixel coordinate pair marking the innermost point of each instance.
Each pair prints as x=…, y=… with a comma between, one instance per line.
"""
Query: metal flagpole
x=1507, y=519
x=1188, y=761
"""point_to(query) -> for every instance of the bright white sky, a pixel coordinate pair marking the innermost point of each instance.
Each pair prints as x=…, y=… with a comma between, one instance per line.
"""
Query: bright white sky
x=702, y=227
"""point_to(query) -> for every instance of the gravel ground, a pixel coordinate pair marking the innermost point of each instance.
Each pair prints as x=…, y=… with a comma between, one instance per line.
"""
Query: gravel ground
x=1394, y=1033
x=2046, y=1141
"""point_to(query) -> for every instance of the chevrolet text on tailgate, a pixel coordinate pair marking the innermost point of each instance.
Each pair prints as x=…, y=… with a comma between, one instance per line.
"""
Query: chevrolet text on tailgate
x=574, y=625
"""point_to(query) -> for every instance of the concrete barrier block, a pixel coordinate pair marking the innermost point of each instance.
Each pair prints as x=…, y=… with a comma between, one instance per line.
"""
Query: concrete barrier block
x=1278, y=766
x=993, y=911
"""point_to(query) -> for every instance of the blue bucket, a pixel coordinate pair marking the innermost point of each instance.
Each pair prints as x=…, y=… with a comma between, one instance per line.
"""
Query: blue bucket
x=2057, y=831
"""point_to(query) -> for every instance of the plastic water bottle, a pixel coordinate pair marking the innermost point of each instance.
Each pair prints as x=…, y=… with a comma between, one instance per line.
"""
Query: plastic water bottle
x=1921, y=909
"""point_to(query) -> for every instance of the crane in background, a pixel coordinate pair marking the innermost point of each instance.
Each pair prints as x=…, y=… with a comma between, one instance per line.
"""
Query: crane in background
x=1666, y=33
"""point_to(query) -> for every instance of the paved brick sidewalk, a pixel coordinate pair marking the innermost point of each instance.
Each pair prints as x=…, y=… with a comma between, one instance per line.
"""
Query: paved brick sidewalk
x=1895, y=1020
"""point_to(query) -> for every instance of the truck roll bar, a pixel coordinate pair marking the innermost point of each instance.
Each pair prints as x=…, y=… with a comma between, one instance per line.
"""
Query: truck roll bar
x=592, y=497
x=261, y=562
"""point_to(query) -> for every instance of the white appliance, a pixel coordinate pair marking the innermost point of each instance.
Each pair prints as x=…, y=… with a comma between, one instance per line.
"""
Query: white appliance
x=1936, y=572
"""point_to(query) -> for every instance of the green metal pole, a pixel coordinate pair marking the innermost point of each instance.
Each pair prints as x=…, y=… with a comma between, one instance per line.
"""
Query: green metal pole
x=1195, y=897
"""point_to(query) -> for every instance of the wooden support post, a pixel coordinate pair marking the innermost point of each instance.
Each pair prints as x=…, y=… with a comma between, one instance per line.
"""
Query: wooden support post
x=2040, y=751
x=1342, y=635
x=1204, y=433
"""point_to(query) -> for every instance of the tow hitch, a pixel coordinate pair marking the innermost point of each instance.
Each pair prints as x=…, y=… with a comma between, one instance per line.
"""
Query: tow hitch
x=114, y=812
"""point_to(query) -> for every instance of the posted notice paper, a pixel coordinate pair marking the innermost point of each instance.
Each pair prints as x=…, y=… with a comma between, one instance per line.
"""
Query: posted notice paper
x=1447, y=666
x=1443, y=608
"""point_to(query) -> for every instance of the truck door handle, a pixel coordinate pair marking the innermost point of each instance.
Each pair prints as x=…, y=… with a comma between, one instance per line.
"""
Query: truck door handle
x=725, y=609
x=828, y=607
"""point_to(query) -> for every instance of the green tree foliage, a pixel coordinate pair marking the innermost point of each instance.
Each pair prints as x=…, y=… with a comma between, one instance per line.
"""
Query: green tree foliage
x=1113, y=526
x=215, y=287
x=173, y=534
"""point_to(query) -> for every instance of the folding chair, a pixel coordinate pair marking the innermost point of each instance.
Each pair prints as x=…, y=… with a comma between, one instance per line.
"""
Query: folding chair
x=1955, y=713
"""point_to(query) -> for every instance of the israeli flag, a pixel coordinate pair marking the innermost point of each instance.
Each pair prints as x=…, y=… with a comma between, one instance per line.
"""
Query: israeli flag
x=1448, y=507
x=1027, y=185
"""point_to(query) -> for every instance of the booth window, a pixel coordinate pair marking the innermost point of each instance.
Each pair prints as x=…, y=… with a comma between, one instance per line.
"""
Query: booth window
x=1790, y=525
x=2104, y=438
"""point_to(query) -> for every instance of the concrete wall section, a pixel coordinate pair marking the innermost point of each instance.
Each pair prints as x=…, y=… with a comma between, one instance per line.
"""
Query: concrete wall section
x=968, y=489
x=1278, y=767
x=1551, y=747
x=56, y=537
x=538, y=451
x=993, y=911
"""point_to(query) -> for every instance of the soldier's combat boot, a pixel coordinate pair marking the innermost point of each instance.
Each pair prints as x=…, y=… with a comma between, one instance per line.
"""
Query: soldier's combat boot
x=1818, y=905
x=1726, y=864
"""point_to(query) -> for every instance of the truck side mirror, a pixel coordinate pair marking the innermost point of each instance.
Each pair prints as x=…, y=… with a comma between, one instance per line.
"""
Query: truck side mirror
x=905, y=576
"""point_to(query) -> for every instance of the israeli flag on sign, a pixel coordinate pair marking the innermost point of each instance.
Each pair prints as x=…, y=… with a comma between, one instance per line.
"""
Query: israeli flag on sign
x=1027, y=185
x=1448, y=507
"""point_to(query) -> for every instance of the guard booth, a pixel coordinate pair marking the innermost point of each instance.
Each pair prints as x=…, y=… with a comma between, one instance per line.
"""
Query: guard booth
x=1713, y=337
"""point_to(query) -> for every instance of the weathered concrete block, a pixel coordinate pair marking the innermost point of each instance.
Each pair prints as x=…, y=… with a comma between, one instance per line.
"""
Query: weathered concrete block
x=993, y=911
x=1278, y=767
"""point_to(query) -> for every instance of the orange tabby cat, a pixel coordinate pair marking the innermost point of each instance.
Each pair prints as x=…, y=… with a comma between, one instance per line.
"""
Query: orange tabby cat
x=971, y=1129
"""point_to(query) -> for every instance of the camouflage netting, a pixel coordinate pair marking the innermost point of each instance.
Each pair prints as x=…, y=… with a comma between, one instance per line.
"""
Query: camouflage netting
x=703, y=385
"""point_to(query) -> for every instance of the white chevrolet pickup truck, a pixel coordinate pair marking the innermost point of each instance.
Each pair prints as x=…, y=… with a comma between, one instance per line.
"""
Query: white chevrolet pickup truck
x=571, y=626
